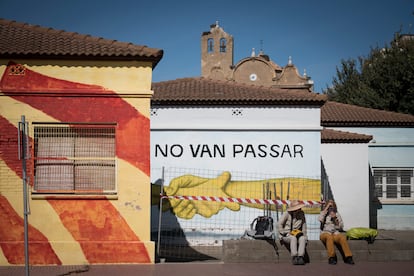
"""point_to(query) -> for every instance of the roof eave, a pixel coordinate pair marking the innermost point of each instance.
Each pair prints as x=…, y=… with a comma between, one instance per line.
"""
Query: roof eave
x=221, y=102
x=345, y=141
x=366, y=124
x=155, y=59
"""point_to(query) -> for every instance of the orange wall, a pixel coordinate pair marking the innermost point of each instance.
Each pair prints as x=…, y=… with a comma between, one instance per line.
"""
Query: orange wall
x=77, y=230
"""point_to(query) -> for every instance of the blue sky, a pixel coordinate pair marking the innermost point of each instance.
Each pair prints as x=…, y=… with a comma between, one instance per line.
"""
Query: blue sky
x=316, y=34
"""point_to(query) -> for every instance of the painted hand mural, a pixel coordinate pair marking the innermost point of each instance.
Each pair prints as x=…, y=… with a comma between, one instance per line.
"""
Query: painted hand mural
x=222, y=186
x=194, y=185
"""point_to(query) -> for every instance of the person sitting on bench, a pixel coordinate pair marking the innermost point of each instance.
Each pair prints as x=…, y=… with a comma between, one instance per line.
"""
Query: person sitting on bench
x=331, y=228
x=292, y=231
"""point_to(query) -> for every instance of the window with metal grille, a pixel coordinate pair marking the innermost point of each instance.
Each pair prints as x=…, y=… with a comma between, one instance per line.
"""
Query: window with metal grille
x=378, y=183
x=74, y=158
x=394, y=185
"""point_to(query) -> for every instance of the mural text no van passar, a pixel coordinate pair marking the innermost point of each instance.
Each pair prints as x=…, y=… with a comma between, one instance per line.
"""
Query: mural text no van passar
x=230, y=150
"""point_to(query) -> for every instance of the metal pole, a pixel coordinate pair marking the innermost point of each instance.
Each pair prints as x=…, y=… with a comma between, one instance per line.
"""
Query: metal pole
x=160, y=213
x=269, y=196
x=264, y=197
x=288, y=191
x=277, y=205
x=23, y=156
x=281, y=193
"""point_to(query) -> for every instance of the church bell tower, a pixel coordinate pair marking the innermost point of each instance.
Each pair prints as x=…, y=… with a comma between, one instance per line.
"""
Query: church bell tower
x=216, y=54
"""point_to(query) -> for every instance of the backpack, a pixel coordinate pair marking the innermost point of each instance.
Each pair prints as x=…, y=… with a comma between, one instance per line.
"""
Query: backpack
x=261, y=228
x=263, y=224
x=361, y=233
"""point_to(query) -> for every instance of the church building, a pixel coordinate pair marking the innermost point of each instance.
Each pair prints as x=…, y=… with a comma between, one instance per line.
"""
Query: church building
x=258, y=69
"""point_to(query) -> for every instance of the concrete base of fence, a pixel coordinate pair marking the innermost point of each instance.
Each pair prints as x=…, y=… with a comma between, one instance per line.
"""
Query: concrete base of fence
x=390, y=245
x=261, y=251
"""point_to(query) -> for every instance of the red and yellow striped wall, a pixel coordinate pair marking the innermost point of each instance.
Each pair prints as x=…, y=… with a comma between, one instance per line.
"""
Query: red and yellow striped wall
x=77, y=230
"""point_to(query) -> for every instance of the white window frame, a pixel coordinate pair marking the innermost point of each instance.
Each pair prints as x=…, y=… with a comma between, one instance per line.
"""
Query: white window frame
x=74, y=158
x=387, y=178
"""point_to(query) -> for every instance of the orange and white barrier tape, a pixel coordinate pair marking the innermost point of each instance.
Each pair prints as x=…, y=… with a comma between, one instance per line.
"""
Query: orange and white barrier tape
x=242, y=200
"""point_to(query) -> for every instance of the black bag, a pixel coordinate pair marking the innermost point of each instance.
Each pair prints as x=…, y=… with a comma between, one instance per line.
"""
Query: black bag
x=261, y=228
x=263, y=224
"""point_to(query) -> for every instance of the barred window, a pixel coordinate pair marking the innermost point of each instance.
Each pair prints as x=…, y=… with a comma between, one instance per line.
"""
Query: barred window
x=378, y=191
x=378, y=183
x=394, y=185
x=74, y=158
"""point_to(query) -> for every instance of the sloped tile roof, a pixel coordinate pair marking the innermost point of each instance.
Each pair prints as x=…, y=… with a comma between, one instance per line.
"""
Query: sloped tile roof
x=203, y=91
x=30, y=41
x=331, y=136
x=339, y=114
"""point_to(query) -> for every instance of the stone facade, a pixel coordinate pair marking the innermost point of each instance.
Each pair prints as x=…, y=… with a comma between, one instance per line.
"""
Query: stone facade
x=216, y=53
x=258, y=69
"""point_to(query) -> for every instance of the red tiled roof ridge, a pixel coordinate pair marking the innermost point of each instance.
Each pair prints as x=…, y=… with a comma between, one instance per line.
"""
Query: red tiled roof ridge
x=200, y=90
x=234, y=84
x=24, y=39
x=41, y=29
x=200, y=80
x=338, y=136
x=341, y=114
x=364, y=108
x=191, y=79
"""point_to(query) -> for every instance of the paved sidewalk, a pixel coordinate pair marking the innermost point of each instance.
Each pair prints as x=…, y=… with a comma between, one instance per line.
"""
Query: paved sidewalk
x=401, y=243
x=216, y=269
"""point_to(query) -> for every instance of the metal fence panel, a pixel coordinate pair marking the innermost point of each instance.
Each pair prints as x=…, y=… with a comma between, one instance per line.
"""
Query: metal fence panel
x=201, y=208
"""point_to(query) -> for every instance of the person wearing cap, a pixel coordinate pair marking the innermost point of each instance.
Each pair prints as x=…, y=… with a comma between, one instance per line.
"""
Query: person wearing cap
x=293, y=232
x=331, y=227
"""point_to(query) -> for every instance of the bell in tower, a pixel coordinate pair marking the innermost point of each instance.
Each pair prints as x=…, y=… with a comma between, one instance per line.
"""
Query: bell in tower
x=216, y=53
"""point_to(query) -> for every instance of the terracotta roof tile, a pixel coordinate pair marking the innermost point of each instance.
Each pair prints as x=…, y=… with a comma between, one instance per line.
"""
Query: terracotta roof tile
x=29, y=41
x=330, y=136
x=339, y=114
x=202, y=91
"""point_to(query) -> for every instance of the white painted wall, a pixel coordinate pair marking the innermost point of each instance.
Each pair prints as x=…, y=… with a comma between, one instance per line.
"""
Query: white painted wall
x=386, y=136
x=396, y=217
x=283, y=153
x=278, y=140
x=347, y=169
x=228, y=118
x=250, y=143
x=390, y=147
